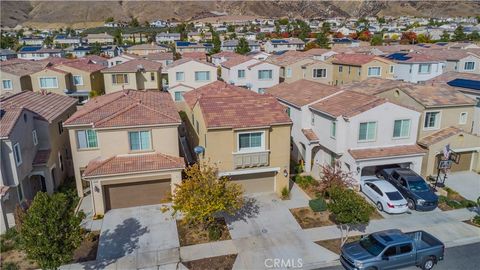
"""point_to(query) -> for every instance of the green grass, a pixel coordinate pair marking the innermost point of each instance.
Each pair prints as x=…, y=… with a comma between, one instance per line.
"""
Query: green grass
x=304, y=181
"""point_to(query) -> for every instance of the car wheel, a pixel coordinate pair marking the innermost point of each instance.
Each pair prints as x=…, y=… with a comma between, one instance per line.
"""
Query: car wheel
x=379, y=206
x=411, y=204
x=428, y=263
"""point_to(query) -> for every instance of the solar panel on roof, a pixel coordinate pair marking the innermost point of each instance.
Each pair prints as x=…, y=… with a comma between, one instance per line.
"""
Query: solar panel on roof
x=279, y=41
x=398, y=56
x=30, y=48
x=464, y=83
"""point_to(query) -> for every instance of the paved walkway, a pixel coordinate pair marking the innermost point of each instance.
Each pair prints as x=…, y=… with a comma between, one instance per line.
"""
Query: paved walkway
x=88, y=223
x=465, y=183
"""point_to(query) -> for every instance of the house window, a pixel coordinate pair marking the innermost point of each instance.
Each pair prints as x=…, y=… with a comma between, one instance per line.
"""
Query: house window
x=77, y=80
x=251, y=141
x=463, y=118
x=261, y=90
x=7, y=85
x=401, y=128
x=424, y=68
x=469, y=65
x=60, y=161
x=333, y=129
x=120, y=78
x=48, y=82
x=178, y=96
x=367, y=132
x=179, y=76
x=289, y=73
x=373, y=71
x=87, y=139
x=60, y=127
x=17, y=153
x=152, y=76
x=312, y=120
x=431, y=119
x=288, y=111
x=340, y=69
x=139, y=140
x=319, y=73
x=241, y=74
x=202, y=75
x=34, y=137
x=392, y=69
x=265, y=74
x=20, y=191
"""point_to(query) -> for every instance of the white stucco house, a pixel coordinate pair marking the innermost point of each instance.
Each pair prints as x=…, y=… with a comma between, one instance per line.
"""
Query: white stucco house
x=251, y=73
x=416, y=67
x=365, y=133
x=286, y=44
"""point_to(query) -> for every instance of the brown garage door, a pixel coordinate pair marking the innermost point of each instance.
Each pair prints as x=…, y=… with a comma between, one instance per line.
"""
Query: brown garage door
x=256, y=182
x=136, y=194
x=464, y=163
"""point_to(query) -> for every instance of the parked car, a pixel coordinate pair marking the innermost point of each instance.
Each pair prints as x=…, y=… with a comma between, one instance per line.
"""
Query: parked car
x=393, y=249
x=383, y=194
x=413, y=187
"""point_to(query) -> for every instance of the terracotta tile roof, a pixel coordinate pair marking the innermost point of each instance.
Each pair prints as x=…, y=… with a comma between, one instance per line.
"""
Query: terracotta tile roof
x=229, y=106
x=236, y=61
x=134, y=65
x=448, y=55
x=186, y=60
x=317, y=51
x=287, y=58
x=22, y=68
x=147, y=46
x=373, y=86
x=159, y=56
x=380, y=152
x=225, y=54
x=418, y=57
x=452, y=75
x=83, y=64
x=438, y=136
x=8, y=118
x=356, y=59
x=41, y=157
x=195, y=55
x=301, y=92
x=132, y=163
x=127, y=108
x=347, y=104
x=310, y=135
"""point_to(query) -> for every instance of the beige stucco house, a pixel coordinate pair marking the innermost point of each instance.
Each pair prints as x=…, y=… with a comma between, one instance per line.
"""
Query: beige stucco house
x=34, y=148
x=145, y=49
x=358, y=67
x=15, y=75
x=245, y=134
x=137, y=74
x=125, y=149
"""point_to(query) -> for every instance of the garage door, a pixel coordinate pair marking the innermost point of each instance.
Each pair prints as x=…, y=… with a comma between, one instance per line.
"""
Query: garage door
x=464, y=163
x=255, y=183
x=136, y=194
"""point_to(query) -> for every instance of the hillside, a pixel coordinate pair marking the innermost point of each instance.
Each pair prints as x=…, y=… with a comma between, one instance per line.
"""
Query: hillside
x=88, y=13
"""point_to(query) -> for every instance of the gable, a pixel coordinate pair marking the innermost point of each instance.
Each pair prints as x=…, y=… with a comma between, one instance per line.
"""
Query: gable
x=398, y=96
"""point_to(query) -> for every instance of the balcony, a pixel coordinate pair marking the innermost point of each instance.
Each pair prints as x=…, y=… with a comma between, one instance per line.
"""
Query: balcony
x=250, y=159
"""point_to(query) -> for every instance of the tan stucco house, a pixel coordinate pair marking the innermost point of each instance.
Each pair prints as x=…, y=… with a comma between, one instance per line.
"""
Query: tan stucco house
x=34, y=148
x=15, y=75
x=125, y=149
x=137, y=74
x=358, y=67
x=245, y=134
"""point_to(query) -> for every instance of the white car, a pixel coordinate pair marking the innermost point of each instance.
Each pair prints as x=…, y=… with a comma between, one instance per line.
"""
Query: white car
x=384, y=195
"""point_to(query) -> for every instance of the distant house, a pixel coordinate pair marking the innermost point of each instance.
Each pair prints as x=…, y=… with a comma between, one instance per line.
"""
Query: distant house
x=15, y=75
x=167, y=37
x=185, y=46
x=457, y=60
x=67, y=40
x=222, y=56
x=166, y=58
x=102, y=38
x=120, y=59
x=31, y=41
x=78, y=51
x=137, y=74
x=6, y=54
x=358, y=67
x=38, y=53
x=231, y=44
x=144, y=49
x=287, y=44
x=416, y=67
x=159, y=24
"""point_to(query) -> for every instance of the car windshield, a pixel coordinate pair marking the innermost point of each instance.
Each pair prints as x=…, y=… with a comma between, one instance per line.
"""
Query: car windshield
x=372, y=245
x=417, y=186
x=394, y=196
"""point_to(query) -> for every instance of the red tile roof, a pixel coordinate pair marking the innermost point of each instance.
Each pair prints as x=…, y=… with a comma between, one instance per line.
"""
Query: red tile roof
x=355, y=59
x=226, y=54
x=186, y=60
x=83, y=64
x=394, y=151
x=236, y=61
x=41, y=157
x=127, y=108
x=440, y=135
x=195, y=55
x=301, y=92
x=22, y=67
x=134, y=66
x=132, y=164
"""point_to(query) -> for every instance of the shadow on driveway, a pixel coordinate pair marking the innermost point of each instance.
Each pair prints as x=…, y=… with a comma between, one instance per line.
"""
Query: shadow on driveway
x=249, y=210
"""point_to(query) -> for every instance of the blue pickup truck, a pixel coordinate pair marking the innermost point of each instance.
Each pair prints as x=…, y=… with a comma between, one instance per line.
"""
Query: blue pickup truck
x=392, y=249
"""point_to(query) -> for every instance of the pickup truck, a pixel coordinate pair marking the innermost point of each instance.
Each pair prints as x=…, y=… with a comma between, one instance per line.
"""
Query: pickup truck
x=392, y=249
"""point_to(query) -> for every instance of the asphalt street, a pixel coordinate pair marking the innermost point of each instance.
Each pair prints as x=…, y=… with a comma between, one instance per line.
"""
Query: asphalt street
x=461, y=257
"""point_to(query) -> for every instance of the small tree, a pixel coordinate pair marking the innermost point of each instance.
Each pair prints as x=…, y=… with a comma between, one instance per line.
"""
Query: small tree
x=377, y=40
x=445, y=37
x=474, y=36
x=51, y=230
x=216, y=43
x=202, y=195
x=322, y=41
x=458, y=34
x=350, y=210
x=334, y=176
x=242, y=47
x=109, y=19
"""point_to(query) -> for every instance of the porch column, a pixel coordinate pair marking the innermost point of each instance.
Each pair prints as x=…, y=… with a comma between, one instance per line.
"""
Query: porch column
x=308, y=159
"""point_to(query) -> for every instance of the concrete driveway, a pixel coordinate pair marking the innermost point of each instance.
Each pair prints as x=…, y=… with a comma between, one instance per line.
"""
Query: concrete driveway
x=136, y=230
x=465, y=183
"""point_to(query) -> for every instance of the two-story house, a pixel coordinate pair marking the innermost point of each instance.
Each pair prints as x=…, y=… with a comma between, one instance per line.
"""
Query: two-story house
x=38, y=53
x=167, y=37
x=446, y=119
x=457, y=60
x=185, y=46
x=125, y=149
x=250, y=73
x=246, y=135
x=363, y=132
x=287, y=44
x=358, y=67
x=221, y=57
x=137, y=74
x=75, y=78
x=35, y=150
x=15, y=75
x=145, y=49
x=187, y=74
x=416, y=67
x=231, y=44
x=102, y=38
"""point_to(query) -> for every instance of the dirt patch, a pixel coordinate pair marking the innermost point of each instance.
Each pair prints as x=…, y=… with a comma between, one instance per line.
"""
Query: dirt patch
x=87, y=251
x=215, y=263
x=18, y=258
x=192, y=234
x=334, y=244
x=307, y=218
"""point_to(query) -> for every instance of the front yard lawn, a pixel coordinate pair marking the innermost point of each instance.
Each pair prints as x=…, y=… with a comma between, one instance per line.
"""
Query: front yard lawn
x=215, y=263
x=307, y=218
x=334, y=244
x=308, y=184
x=453, y=200
x=192, y=234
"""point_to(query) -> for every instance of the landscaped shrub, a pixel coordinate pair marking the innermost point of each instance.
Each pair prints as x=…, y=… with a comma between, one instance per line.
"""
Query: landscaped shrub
x=10, y=266
x=304, y=181
x=454, y=204
x=285, y=193
x=214, y=233
x=318, y=204
x=476, y=220
x=298, y=168
x=468, y=203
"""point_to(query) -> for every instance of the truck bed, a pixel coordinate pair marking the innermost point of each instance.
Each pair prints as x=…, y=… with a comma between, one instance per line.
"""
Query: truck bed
x=424, y=240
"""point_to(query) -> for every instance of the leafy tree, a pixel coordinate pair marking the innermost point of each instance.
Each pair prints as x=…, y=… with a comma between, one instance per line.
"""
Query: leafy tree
x=474, y=36
x=96, y=49
x=232, y=36
x=445, y=37
x=326, y=27
x=51, y=230
x=322, y=40
x=261, y=36
x=242, y=47
x=117, y=37
x=283, y=21
x=48, y=41
x=109, y=19
x=334, y=176
x=277, y=28
x=353, y=35
x=365, y=35
x=377, y=40
x=8, y=42
x=424, y=38
x=350, y=210
x=458, y=34
x=20, y=33
x=231, y=28
x=409, y=37
x=304, y=29
x=381, y=20
x=216, y=43
x=133, y=22
x=202, y=196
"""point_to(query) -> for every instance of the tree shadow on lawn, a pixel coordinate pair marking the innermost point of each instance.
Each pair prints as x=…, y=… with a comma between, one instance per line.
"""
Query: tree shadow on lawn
x=250, y=209
x=117, y=243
